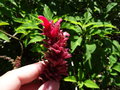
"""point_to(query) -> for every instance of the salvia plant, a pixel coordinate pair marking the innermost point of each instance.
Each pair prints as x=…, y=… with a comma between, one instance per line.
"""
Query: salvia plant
x=55, y=65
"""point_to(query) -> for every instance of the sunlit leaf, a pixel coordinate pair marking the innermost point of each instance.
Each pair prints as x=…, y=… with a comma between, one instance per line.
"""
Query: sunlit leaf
x=28, y=26
x=72, y=20
x=112, y=60
x=89, y=24
x=4, y=37
x=35, y=39
x=103, y=24
x=3, y=23
x=116, y=48
x=80, y=84
x=117, y=67
x=114, y=73
x=70, y=26
x=70, y=79
x=19, y=20
x=87, y=16
x=23, y=31
x=13, y=2
x=47, y=13
x=95, y=31
x=90, y=84
x=110, y=6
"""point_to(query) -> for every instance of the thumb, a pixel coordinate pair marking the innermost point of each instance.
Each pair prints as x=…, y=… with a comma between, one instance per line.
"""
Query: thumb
x=50, y=85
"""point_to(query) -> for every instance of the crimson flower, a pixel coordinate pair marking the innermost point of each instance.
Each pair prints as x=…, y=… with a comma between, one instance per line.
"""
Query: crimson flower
x=51, y=30
x=54, y=58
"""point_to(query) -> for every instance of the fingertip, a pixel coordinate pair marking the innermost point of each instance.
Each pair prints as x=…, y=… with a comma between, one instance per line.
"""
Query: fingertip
x=29, y=73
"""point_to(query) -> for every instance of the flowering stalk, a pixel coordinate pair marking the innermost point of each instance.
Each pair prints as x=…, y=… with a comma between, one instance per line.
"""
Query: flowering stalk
x=54, y=59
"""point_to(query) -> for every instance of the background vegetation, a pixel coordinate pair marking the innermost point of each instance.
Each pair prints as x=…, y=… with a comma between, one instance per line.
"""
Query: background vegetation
x=94, y=26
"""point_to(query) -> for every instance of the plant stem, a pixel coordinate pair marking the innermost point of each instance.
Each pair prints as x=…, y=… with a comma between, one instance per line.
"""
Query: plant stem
x=13, y=36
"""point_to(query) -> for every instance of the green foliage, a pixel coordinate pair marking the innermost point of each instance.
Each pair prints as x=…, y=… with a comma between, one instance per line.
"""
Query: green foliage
x=70, y=79
x=47, y=13
x=3, y=23
x=4, y=37
x=94, y=37
x=90, y=84
x=76, y=43
x=110, y=6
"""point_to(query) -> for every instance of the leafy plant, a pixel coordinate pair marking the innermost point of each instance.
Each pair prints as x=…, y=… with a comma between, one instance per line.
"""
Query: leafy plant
x=91, y=47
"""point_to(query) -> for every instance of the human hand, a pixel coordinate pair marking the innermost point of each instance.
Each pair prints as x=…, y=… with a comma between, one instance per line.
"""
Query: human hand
x=23, y=79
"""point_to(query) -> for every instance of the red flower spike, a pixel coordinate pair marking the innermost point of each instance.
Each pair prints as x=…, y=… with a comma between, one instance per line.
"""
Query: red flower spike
x=50, y=29
x=55, y=64
x=45, y=21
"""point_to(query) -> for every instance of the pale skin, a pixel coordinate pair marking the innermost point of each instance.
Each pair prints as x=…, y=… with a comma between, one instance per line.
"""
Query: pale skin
x=25, y=77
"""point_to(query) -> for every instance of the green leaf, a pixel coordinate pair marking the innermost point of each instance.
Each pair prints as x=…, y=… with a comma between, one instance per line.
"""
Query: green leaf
x=35, y=39
x=114, y=73
x=2, y=5
x=87, y=16
x=70, y=26
x=3, y=23
x=72, y=20
x=96, y=9
x=25, y=42
x=20, y=20
x=47, y=13
x=90, y=84
x=76, y=43
x=112, y=60
x=95, y=31
x=116, y=67
x=4, y=37
x=110, y=6
x=28, y=26
x=13, y=2
x=90, y=48
x=80, y=84
x=116, y=48
x=23, y=31
x=103, y=24
x=70, y=79
x=89, y=24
